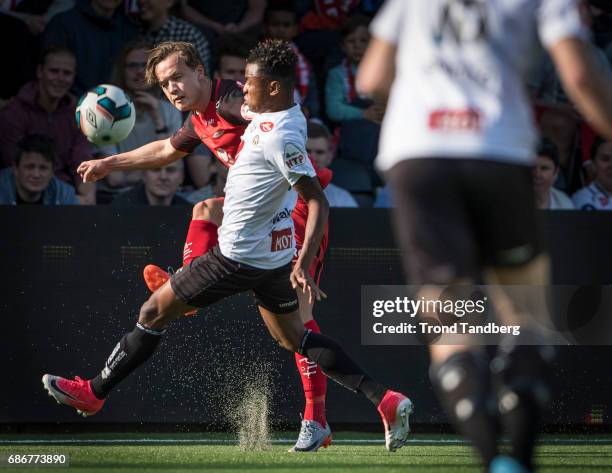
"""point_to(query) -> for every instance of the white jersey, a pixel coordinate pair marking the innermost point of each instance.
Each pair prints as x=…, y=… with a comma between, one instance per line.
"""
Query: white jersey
x=257, y=228
x=592, y=197
x=458, y=89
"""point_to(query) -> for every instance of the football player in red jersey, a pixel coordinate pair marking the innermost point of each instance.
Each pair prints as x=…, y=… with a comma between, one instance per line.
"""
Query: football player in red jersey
x=218, y=119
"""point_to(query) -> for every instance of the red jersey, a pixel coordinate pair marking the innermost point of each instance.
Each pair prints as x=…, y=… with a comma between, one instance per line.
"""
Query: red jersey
x=218, y=127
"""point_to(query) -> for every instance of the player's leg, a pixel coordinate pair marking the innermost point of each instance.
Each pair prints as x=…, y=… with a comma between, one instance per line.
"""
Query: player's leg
x=278, y=307
x=521, y=372
x=461, y=378
x=314, y=431
x=201, y=237
x=432, y=224
x=513, y=255
x=314, y=381
x=131, y=351
x=202, y=234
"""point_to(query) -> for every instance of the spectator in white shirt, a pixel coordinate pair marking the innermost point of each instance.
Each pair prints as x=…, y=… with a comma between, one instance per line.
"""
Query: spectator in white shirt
x=545, y=173
x=598, y=194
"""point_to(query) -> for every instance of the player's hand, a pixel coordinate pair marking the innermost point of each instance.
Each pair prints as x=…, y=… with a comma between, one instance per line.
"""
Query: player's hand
x=92, y=171
x=374, y=113
x=148, y=103
x=302, y=281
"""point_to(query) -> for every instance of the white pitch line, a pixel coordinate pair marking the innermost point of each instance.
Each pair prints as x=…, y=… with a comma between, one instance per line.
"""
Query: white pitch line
x=146, y=441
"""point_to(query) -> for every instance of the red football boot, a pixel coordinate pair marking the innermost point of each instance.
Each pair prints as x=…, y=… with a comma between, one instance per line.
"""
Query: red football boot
x=395, y=408
x=155, y=277
x=77, y=394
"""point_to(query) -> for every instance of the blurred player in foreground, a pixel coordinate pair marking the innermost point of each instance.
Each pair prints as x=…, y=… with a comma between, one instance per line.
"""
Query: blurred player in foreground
x=457, y=144
x=256, y=243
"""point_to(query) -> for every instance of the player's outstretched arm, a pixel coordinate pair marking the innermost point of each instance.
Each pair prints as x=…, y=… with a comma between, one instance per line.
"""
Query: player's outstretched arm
x=310, y=191
x=589, y=87
x=377, y=69
x=150, y=156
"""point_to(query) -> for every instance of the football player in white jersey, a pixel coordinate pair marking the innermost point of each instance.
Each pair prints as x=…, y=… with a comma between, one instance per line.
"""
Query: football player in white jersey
x=456, y=146
x=255, y=251
x=598, y=194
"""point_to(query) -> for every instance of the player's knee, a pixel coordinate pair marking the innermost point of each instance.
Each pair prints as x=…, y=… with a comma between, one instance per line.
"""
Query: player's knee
x=290, y=338
x=522, y=376
x=148, y=313
x=462, y=384
x=151, y=315
x=288, y=343
x=200, y=211
x=209, y=209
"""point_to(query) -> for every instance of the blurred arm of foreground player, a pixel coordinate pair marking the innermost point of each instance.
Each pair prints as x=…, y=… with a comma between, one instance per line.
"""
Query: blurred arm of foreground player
x=589, y=87
x=377, y=70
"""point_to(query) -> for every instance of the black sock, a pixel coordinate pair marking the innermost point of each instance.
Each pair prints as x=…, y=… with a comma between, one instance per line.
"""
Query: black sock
x=463, y=386
x=372, y=390
x=337, y=365
x=132, y=350
x=522, y=391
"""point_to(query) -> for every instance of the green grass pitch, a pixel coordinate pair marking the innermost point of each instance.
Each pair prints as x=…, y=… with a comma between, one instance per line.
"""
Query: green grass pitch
x=351, y=452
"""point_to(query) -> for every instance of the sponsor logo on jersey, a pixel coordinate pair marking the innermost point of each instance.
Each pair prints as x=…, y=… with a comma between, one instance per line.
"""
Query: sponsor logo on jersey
x=285, y=213
x=218, y=134
x=225, y=156
x=453, y=120
x=266, y=126
x=282, y=239
x=293, y=156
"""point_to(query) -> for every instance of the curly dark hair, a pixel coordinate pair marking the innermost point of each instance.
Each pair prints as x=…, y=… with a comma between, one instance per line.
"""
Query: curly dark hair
x=275, y=59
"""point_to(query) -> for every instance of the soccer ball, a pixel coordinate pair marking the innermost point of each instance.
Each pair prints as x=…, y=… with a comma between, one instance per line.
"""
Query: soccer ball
x=105, y=114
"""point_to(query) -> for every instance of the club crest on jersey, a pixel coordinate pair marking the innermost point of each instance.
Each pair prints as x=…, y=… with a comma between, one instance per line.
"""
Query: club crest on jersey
x=256, y=140
x=293, y=156
x=266, y=126
x=246, y=113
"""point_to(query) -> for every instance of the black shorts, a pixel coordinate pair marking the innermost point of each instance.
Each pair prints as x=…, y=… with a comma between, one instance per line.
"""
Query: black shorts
x=453, y=217
x=212, y=277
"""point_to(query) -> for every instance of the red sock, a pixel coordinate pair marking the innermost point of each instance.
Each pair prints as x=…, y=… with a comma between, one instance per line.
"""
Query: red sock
x=201, y=237
x=314, y=383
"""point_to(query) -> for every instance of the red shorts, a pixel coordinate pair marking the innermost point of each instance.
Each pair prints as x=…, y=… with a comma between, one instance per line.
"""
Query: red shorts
x=299, y=223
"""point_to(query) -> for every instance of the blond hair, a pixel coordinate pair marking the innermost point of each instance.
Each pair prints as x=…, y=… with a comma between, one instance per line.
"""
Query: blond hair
x=160, y=52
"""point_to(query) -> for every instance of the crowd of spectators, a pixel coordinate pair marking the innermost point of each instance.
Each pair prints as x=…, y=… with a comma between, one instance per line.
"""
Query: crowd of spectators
x=81, y=43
